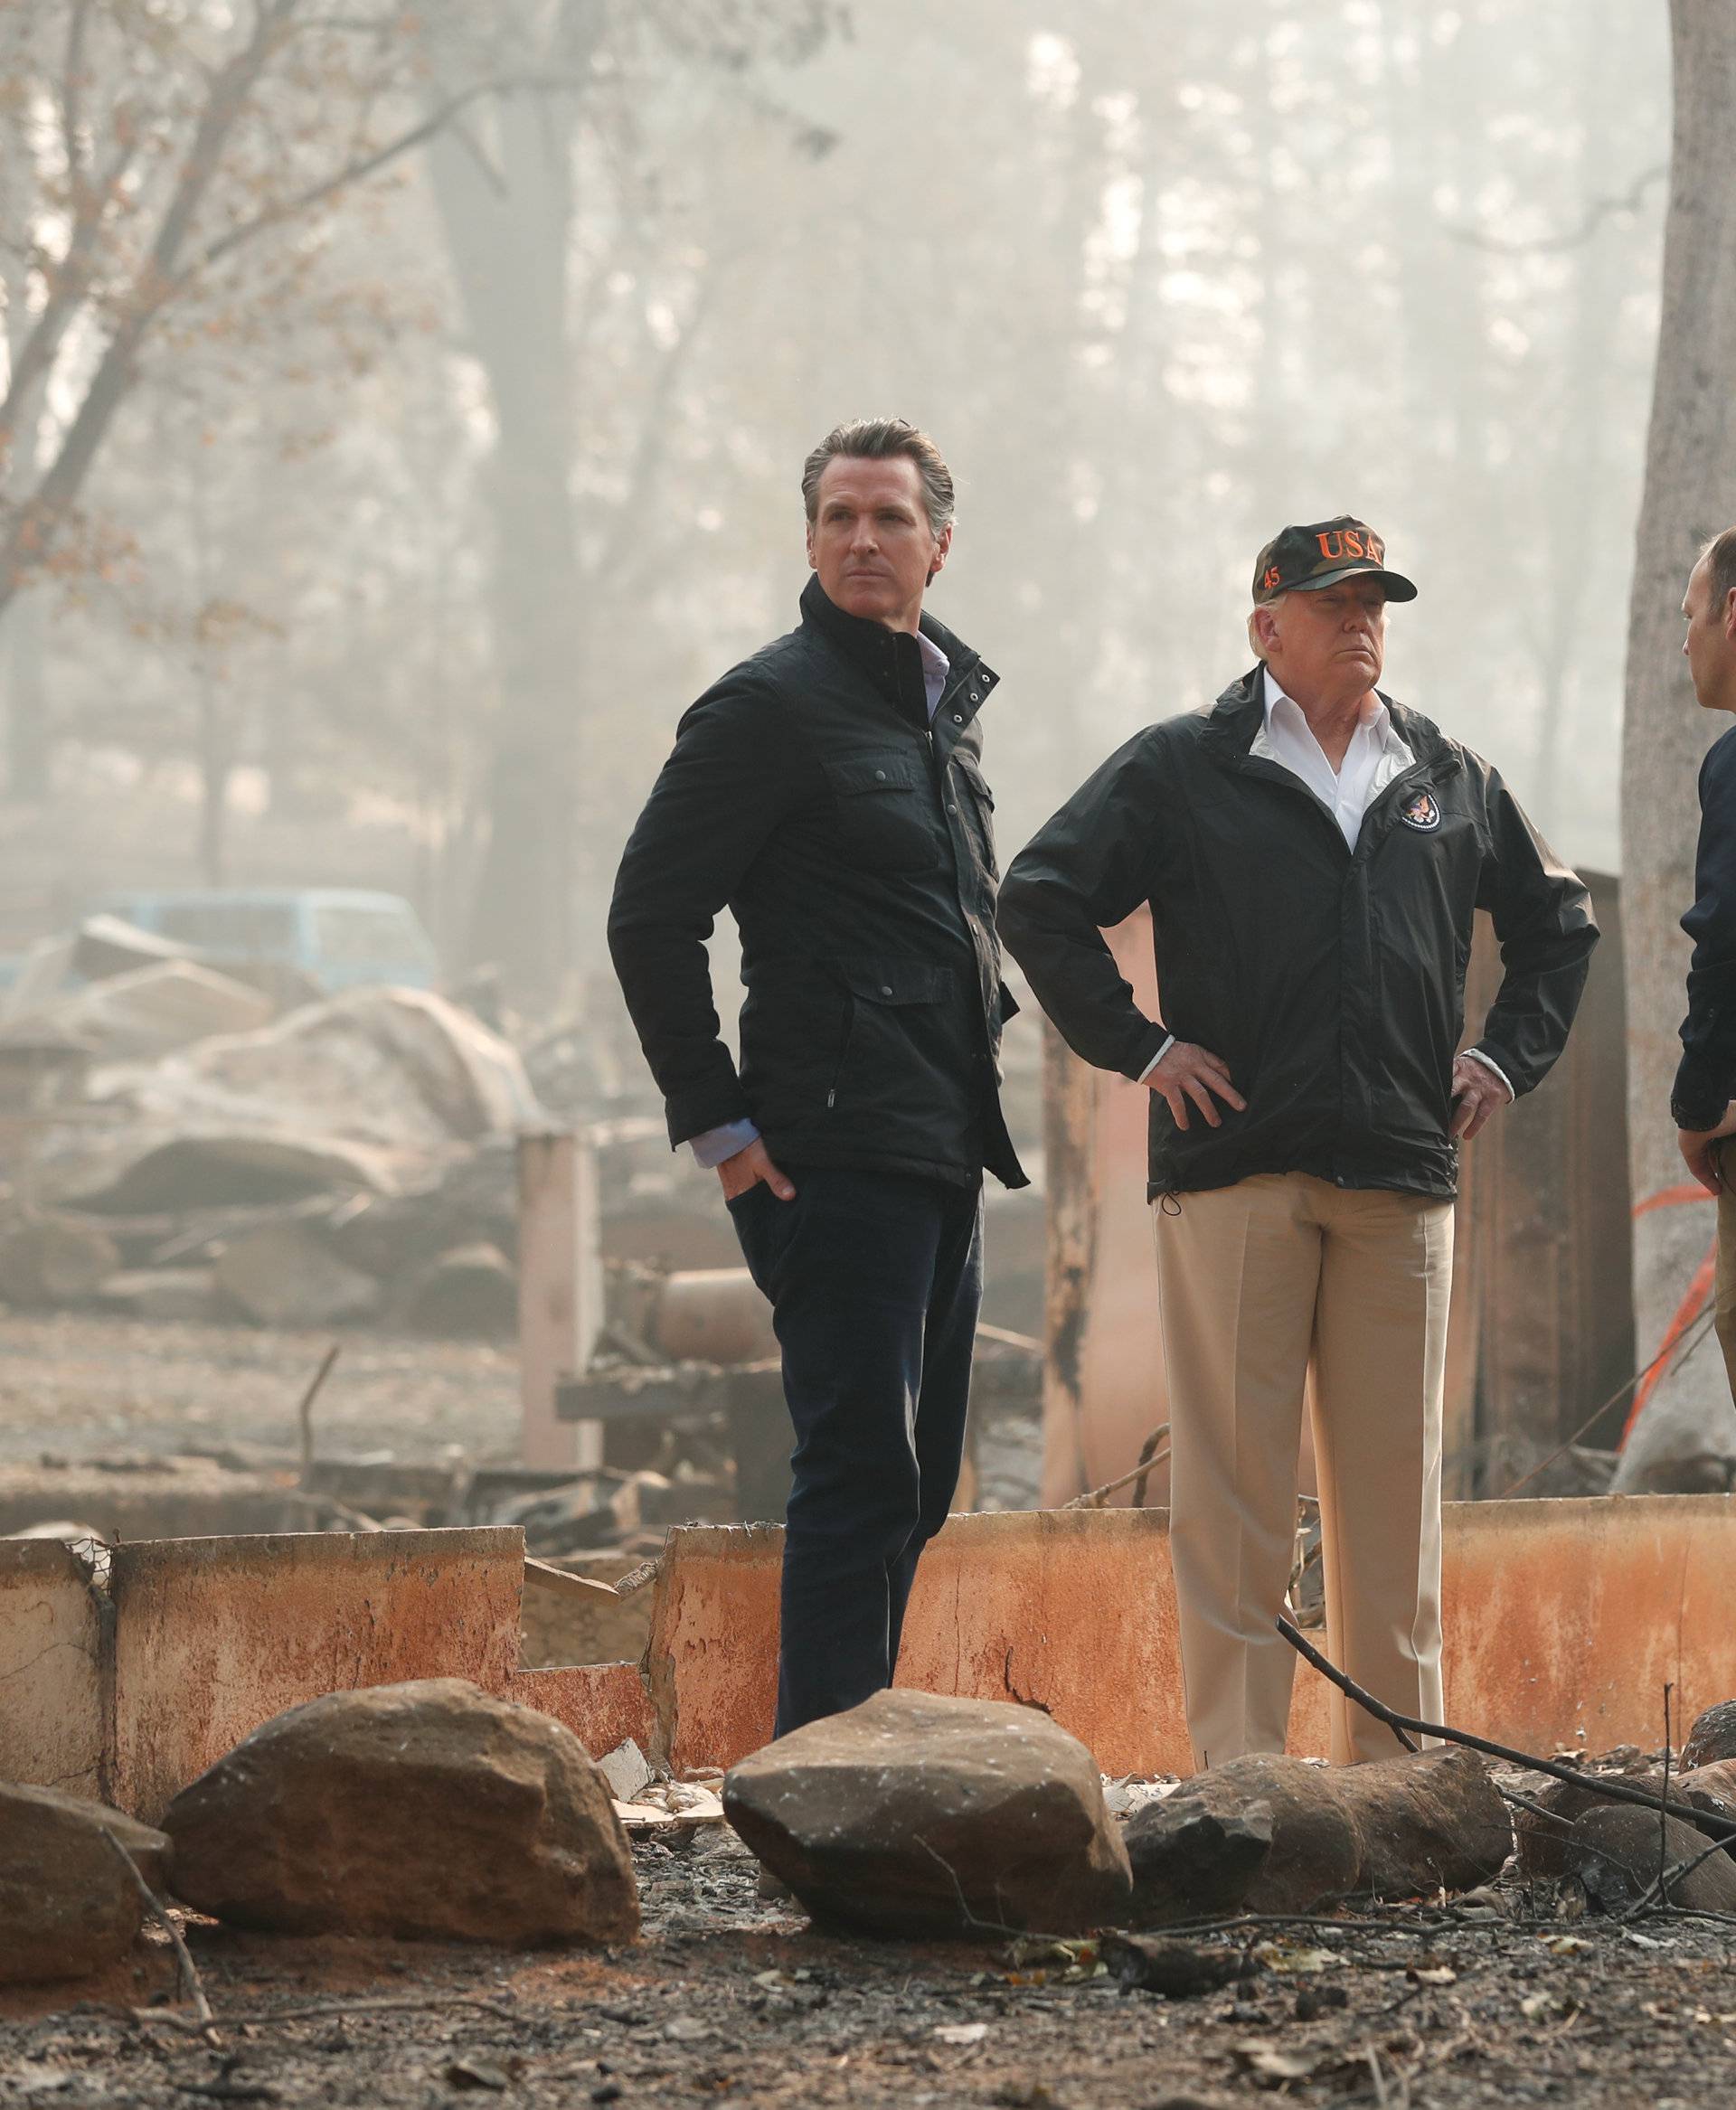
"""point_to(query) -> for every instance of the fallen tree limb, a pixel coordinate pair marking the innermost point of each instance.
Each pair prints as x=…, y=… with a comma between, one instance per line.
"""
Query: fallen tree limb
x=1608, y=1786
x=205, y=2022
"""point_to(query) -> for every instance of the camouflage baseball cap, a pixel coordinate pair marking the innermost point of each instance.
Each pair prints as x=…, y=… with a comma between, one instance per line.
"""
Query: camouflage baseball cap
x=1302, y=560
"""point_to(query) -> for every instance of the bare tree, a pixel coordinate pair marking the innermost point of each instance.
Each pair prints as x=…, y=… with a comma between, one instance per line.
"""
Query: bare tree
x=171, y=171
x=1690, y=480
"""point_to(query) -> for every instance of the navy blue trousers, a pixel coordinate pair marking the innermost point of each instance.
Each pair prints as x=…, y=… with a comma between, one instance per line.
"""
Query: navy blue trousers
x=874, y=1280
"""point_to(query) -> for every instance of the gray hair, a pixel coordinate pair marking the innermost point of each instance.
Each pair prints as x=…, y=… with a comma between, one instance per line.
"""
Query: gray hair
x=879, y=439
x=1253, y=637
x=1719, y=557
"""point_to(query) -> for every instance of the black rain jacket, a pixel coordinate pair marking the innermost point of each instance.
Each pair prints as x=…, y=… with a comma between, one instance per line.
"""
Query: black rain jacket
x=855, y=850
x=1331, y=981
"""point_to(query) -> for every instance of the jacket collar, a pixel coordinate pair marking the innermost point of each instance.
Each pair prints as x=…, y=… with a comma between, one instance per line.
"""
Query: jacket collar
x=891, y=660
x=1240, y=712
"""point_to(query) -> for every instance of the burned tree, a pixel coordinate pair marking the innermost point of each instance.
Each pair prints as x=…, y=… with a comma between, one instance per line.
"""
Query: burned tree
x=1690, y=493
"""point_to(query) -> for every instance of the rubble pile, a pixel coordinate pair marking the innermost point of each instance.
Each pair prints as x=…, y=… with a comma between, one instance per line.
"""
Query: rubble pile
x=192, y=1151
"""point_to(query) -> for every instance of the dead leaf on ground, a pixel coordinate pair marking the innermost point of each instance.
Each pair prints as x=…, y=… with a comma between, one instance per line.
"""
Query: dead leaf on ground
x=1294, y=1958
x=1271, y=2067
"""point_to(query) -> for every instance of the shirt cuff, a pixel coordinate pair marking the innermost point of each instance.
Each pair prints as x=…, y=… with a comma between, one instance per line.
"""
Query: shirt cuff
x=1169, y=1041
x=1489, y=1062
x=717, y=1143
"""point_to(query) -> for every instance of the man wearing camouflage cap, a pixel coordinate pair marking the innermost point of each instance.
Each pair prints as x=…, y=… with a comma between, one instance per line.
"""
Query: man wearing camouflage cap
x=1312, y=853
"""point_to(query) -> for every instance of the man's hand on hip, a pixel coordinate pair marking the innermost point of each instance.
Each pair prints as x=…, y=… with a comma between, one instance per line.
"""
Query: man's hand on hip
x=1698, y=1153
x=1189, y=1072
x=740, y=1172
x=1478, y=1092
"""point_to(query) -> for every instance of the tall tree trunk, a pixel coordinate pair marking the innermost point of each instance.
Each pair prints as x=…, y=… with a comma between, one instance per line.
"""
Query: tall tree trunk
x=509, y=245
x=1690, y=493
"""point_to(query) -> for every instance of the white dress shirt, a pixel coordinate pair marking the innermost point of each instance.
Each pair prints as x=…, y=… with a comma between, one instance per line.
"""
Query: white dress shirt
x=1375, y=756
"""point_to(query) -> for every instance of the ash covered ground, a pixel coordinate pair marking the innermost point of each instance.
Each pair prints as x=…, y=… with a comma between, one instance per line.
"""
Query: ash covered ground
x=731, y=2002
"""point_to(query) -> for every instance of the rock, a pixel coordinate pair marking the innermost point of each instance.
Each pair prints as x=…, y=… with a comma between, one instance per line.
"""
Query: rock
x=1262, y=1833
x=281, y=1275
x=1434, y=1820
x=1713, y=1784
x=1712, y=1736
x=471, y=1290
x=54, y=1261
x=428, y=1810
x=919, y=1814
x=1192, y=1862
x=625, y=1770
x=147, y=1848
x=67, y=1905
x=1613, y=1849
x=1541, y=1838
x=1178, y=1970
x=1265, y=1833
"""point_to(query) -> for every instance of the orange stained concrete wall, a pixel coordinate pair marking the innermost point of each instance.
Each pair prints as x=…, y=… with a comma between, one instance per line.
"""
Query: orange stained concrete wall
x=1564, y=1620
x=214, y=1636
x=603, y=1704
x=51, y=1695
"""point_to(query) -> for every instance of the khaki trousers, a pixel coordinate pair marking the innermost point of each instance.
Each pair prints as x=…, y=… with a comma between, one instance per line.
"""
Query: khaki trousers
x=1281, y=1285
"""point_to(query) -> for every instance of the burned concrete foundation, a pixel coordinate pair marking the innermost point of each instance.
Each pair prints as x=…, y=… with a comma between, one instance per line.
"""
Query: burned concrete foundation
x=1564, y=1620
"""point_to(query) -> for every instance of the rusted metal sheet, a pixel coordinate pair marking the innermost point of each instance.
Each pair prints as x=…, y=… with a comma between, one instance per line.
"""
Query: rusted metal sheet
x=51, y=1699
x=214, y=1636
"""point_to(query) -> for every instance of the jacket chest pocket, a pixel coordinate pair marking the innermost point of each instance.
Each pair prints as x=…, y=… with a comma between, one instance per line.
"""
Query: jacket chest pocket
x=978, y=803
x=884, y=818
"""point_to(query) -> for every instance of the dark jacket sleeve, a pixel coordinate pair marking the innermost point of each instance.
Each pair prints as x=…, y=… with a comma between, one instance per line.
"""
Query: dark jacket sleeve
x=1085, y=870
x=1705, y=1081
x=1542, y=919
x=733, y=775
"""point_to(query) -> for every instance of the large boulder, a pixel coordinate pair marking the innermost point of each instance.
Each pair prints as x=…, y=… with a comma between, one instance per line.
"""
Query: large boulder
x=425, y=1809
x=1712, y=1736
x=68, y=1906
x=1265, y=1833
x=1546, y=1832
x=1614, y=1851
x=918, y=1815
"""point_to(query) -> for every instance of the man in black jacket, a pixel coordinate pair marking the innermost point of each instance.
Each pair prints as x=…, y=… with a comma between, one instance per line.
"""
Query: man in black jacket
x=829, y=792
x=1312, y=853
x=1703, y=1102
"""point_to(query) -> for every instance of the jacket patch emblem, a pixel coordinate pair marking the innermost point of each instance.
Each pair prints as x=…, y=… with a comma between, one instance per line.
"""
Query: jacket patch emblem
x=1419, y=811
